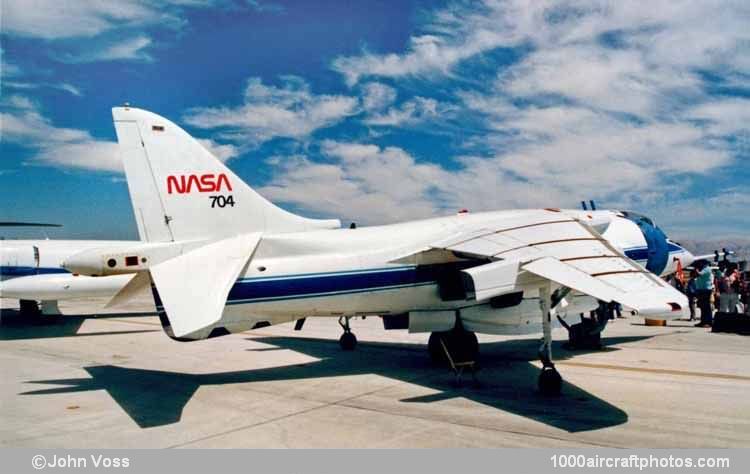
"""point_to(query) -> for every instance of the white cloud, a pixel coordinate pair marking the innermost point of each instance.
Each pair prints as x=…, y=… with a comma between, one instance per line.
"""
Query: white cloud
x=10, y=70
x=22, y=123
x=223, y=152
x=89, y=154
x=56, y=19
x=376, y=96
x=264, y=7
x=721, y=215
x=269, y=111
x=373, y=185
x=605, y=101
x=724, y=116
x=132, y=49
x=600, y=77
x=113, y=30
x=69, y=88
x=63, y=86
x=675, y=33
x=358, y=183
x=410, y=112
x=426, y=54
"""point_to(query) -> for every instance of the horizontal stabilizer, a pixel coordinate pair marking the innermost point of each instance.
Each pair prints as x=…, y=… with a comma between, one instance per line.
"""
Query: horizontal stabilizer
x=140, y=283
x=193, y=287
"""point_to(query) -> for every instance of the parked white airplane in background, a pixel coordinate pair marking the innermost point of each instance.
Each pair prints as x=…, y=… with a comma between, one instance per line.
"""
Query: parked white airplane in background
x=220, y=258
x=31, y=271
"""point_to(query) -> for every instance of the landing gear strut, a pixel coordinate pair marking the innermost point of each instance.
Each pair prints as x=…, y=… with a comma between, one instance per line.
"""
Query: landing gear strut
x=550, y=382
x=348, y=340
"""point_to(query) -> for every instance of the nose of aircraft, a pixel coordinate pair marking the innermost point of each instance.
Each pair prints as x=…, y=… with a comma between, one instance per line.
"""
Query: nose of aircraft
x=658, y=260
x=685, y=257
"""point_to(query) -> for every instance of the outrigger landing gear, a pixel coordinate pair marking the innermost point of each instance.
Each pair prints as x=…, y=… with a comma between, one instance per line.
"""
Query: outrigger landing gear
x=348, y=340
x=550, y=382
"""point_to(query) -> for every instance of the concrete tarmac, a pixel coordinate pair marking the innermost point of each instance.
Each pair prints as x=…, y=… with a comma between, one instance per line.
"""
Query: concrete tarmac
x=117, y=381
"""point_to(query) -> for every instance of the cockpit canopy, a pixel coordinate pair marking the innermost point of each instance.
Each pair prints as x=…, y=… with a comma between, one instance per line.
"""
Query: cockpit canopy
x=656, y=241
x=638, y=217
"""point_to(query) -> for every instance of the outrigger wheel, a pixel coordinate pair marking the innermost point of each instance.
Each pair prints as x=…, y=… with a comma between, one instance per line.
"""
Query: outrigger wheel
x=347, y=341
x=550, y=381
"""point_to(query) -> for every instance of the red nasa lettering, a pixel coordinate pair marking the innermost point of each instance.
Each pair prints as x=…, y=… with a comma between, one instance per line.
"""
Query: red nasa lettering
x=206, y=183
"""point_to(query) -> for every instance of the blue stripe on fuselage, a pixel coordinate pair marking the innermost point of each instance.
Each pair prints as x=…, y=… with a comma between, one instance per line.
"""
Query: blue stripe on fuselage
x=637, y=253
x=319, y=284
x=312, y=285
x=8, y=272
x=641, y=253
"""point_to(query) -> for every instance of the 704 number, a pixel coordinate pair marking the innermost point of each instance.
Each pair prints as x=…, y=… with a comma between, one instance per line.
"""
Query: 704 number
x=221, y=201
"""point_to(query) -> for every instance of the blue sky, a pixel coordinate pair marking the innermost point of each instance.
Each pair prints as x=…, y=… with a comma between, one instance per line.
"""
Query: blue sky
x=384, y=111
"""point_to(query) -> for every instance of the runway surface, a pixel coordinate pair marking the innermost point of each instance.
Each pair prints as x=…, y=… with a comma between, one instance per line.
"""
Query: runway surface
x=118, y=381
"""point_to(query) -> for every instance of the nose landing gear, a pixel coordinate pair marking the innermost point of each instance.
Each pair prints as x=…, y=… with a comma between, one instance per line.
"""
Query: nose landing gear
x=347, y=341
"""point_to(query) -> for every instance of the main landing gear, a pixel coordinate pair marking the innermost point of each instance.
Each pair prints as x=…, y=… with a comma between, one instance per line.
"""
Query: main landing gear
x=348, y=340
x=550, y=382
x=460, y=343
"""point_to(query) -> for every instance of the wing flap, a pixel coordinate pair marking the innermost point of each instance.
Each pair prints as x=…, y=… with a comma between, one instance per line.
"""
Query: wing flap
x=554, y=270
x=634, y=288
x=194, y=286
x=599, y=264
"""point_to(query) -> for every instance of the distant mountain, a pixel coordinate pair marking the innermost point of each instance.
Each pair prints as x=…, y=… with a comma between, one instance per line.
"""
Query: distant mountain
x=700, y=247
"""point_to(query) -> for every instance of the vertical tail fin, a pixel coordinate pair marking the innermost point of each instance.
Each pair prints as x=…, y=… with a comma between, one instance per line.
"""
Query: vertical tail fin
x=180, y=191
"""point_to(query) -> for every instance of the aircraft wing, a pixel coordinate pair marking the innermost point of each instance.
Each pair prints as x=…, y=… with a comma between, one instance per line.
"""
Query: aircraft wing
x=194, y=286
x=553, y=246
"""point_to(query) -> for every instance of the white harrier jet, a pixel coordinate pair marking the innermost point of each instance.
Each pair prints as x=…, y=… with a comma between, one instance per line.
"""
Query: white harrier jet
x=221, y=259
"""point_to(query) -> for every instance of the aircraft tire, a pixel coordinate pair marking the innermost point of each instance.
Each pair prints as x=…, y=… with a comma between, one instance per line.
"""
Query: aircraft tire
x=550, y=382
x=348, y=341
x=435, y=349
x=463, y=345
x=29, y=309
x=469, y=345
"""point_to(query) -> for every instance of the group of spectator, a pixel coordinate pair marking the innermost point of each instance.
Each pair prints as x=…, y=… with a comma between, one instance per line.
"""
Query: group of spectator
x=724, y=289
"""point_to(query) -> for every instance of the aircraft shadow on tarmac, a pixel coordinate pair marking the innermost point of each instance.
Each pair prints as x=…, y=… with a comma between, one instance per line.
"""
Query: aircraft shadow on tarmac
x=17, y=327
x=508, y=381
